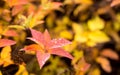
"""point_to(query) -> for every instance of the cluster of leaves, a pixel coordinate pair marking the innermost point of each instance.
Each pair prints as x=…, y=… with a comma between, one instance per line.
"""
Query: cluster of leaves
x=26, y=26
x=43, y=46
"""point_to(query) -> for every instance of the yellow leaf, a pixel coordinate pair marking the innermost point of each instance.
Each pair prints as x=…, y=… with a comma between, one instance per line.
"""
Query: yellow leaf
x=95, y=71
x=117, y=26
x=68, y=1
x=34, y=22
x=117, y=23
x=77, y=56
x=17, y=26
x=22, y=70
x=66, y=20
x=44, y=1
x=98, y=36
x=90, y=43
x=0, y=73
x=77, y=28
x=71, y=46
x=82, y=38
x=5, y=52
x=96, y=24
x=88, y=2
x=66, y=34
x=118, y=17
x=5, y=56
x=50, y=5
x=105, y=64
x=1, y=29
x=1, y=61
x=110, y=54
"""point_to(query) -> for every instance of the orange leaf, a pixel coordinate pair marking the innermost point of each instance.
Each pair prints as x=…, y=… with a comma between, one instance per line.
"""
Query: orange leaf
x=10, y=33
x=16, y=9
x=110, y=54
x=56, y=5
x=32, y=47
x=82, y=65
x=115, y=2
x=105, y=64
x=16, y=2
x=86, y=65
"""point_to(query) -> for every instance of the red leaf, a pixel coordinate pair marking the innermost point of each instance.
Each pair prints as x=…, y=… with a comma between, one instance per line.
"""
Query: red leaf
x=37, y=36
x=10, y=33
x=61, y=52
x=45, y=45
x=16, y=2
x=42, y=58
x=55, y=43
x=6, y=42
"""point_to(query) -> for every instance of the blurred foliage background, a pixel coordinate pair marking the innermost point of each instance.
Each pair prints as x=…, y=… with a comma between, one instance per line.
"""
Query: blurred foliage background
x=93, y=27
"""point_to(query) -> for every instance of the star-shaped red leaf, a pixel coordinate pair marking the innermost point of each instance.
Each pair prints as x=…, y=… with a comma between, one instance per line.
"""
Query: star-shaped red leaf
x=45, y=46
x=6, y=42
